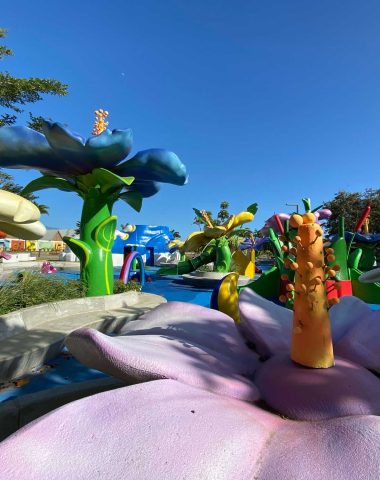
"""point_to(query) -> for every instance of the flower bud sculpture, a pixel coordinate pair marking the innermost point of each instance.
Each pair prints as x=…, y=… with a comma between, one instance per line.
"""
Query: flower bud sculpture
x=311, y=334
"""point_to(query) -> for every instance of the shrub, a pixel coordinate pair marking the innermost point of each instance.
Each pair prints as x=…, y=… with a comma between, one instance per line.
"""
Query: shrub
x=27, y=289
x=120, y=287
x=31, y=288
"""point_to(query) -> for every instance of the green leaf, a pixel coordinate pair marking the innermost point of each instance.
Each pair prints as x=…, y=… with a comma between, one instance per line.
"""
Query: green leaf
x=109, y=180
x=134, y=199
x=105, y=233
x=80, y=249
x=48, y=181
x=252, y=208
x=307, y=204
x=273, y=237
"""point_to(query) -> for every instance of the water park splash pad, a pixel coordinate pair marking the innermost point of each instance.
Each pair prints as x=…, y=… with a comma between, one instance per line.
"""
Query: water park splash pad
x=254, y=391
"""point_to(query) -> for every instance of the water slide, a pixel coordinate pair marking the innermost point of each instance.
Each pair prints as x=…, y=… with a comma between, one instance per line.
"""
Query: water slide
x=126, y=268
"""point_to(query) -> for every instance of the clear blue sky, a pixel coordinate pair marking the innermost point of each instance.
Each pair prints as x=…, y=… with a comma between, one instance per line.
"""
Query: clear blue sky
x=264, y=101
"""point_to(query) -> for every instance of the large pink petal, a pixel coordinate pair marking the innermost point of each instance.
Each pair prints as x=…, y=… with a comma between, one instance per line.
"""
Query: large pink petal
x=158, y=430
x=315, y=394
x=195, y=324
x=140, y=358
x=339, y=449
x=263, y=323
x=361, y=344
x=344, y=316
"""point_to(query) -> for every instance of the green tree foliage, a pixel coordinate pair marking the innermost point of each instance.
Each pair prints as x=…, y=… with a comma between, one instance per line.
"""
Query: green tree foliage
x=15, y=92
x=223, y=213
x=350, y=205
x=175, y=233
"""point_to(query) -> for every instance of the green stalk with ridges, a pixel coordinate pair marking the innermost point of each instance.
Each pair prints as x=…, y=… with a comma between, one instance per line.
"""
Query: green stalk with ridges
x=95, y=243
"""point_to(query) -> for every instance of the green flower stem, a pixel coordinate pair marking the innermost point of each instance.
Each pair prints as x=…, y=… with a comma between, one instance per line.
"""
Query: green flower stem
x=95, y=244
x=223, y=256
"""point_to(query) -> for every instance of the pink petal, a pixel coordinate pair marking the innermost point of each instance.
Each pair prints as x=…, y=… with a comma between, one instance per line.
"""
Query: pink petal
x=339, y=449
x=195, y=324
x=263, y=323
x=158, y=430
x=362, y=342
x=140, y=358
x=346, y=315
x=315, y=394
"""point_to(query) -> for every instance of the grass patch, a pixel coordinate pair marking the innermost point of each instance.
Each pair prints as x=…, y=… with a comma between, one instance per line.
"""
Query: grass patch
x=27, y=289
x=120, y=287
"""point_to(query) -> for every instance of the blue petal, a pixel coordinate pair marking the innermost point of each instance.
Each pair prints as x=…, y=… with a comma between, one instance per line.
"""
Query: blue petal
x=109, y=148
x=154, y=165
x=22, y=147
x=60, y=136
x=146, y=188
x=105, y=150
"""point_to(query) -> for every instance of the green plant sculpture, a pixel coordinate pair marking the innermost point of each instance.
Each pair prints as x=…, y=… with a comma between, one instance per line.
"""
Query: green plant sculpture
x=92, y=169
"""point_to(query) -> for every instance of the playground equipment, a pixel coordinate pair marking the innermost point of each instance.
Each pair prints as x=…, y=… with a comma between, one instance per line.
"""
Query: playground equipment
x=215, y=248
x=151, y=241
x=274, y=283
x=47, y=267
x=130, y=259
x=91, y=169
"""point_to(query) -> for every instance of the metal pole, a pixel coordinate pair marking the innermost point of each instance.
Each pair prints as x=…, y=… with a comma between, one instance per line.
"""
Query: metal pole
x=293, y=205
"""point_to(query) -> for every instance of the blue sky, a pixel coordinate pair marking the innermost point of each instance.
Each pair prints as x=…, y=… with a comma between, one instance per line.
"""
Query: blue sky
x=264, y=101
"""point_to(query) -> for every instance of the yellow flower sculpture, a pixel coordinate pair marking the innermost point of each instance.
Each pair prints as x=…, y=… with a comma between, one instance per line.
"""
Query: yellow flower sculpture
x=198, y=240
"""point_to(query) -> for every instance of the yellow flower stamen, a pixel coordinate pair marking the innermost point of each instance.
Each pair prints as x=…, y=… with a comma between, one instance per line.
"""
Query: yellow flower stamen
x=100, y=124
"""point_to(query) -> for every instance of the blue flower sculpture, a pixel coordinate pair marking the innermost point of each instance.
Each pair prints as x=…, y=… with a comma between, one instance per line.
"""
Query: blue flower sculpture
x=95, y=170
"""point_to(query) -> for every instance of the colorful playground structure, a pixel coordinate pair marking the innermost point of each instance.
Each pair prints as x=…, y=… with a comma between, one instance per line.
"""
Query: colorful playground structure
x=348, y=254
x=213, y=244
x=131, y=261
x=97, y=171
x=151, y=241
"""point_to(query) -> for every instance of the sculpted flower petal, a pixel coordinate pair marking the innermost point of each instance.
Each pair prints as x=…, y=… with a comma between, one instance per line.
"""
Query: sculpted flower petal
x=195, y=241
x=346, y=314
x=141, y=358
x=171, y=430
x=161, y=430
x=61, y=138
x=239, y=219
x=145, y=188
x=318, y=393
x=109, y=148
x=155, y=165
x=264, y=324
x=61, y=152
x=197, y=325
x=105, y=150
x=361, y=342
x=338, y=449
x=22, y=147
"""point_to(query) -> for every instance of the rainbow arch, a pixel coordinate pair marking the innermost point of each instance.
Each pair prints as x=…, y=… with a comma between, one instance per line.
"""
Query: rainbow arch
x=126, y=268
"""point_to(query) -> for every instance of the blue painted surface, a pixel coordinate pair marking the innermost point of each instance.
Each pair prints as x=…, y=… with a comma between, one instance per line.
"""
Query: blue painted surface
x=146, y=236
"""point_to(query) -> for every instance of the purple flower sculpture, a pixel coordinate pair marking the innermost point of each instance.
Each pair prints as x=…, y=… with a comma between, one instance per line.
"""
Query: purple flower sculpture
x=199, y=415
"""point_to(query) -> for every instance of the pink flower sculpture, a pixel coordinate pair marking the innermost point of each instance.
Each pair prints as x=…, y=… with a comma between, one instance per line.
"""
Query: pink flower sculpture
x=199, y=415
